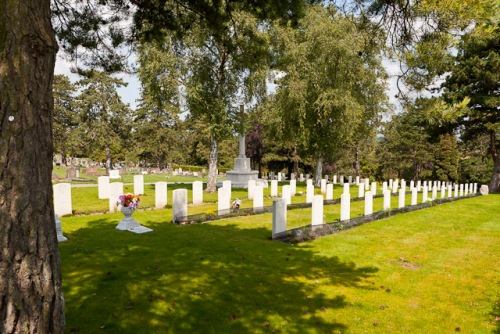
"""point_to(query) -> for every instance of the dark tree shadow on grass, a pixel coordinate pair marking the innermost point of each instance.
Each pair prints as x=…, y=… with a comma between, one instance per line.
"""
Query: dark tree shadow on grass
x=200, y=279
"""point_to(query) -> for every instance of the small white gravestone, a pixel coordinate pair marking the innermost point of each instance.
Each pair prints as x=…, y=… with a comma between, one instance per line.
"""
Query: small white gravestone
x=250, y=188
x=226, y=184
x=197, y=192
x=361, y=190
x=293, y=187
x=115, y=190
x=301, y=178
x=357, y=180
x=374, y=188
x=326, y=178
x=258, y=198
x=345, y=207
x=403, y=184
x=424, y=184
x=60, y=236
x=286, y=195
x=317, y=210
x=384, y=187
x=308, y=177
x=484, y=190
x=341, y=180
x=390, y=183
x=349, y=179
x=412, y=184
x=161, y=195
x=224, y=201
x=138, y=184
x=323, y=186
x=309, y=193
x=62, y=199
x=292, y=176
x=402, y=196
x=419, y=185
x=367, y=184
x=329, y=191
x=466, y=190
x=346, y=188
x=368, y=203
x=443, y=191
x=309, y=182
x=103, y=187
x=395, y=186
x=387, y=200
x=414, y=193
x=274, y=188
x=450, y=188
x=114, y=174
x=179, y=205
x=335, y=179
x=434, y=192
x=279, y=177
x=425, y=193
x=461, y=189
x=279, y=217
x=475, y=188
x=455, y=190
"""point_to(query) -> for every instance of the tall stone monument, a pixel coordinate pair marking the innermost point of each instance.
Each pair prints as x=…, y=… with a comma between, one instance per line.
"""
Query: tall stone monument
x=242, y=173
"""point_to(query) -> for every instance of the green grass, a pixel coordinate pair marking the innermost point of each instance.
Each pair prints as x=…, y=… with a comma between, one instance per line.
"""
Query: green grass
x=429, y=271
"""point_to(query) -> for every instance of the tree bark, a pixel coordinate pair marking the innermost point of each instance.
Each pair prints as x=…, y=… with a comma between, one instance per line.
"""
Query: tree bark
x=357, y=166
x=319, y=172
x=295, y=160
x=212, y=166
x=495, y=154
x=31, y=296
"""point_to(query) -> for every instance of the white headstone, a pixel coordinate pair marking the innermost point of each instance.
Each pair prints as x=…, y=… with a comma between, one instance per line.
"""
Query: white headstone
x=455, y=190
x=461, y=189
x=307, y=177
x=285, y=194
x=309, y=193
x=138, y=184
x=258, y=198
x=103, y=187
x=450, y=188
x=412, y=184
x=402, y=196
x=224, y=200
x=274, y=188
x=335, y=179
x=368, y=203
x=443, y=191
x=475, y=188
x=292, y=176
x=346, y=188
x=279, y=177
x=60, y=236
x=114, y=174
x=484, y=190
x=198, y=192
x=434, y=192
x=179, y=207
x=250, y=188
x=293, y=187
x=395, y=186
x=115, y=190
x=390, y=183
x=384, y=187
x=345, y=207
x=279, y=216
x=367, y=184
x=309, y=182
x=361, y=190
x=341, y=180
x=374, y=188
x=357, y=180
x=317, y=210
x=419, y=185
x=161, y=195
x=62, y=199
x=414, y=193
x=403, y=184
x=425, y=193
x=226, y=184
x=301, y=178
x=387, y=199
x=323, y=186
x=350, y=179
x=326, y=178
x=466, y=190
x=329, y=191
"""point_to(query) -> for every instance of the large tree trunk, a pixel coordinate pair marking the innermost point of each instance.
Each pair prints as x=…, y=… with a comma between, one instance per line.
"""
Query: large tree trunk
x=212, y=166
x=31, y=296
x=319, y=172
x=495, y=154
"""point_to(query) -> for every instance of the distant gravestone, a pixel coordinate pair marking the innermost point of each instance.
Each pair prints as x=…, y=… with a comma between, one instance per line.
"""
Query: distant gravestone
x=450, y=188
x=90, y=171
x=197, y=192
x=292, y=176
x=484, y=190
x=323, y=186
x=443, y=191
x=419, y=185
x=286, y=195
x=335, y=179
x=317, y=210
x=357, y=180
x=387, y=200
x=368, y=203
x=401, y=199
x=395, y=186
x=309, y=193
x=434, y=192
x=59, y=232
x=412, y=184
x=138, y=184
x=361, y=190
x=461, y=189
x=224, y=200
x=374, y=188
x=345, y=207
x=62, y=199
x=161, y=195
x=329, y=191
x=258, y=198
x=274, y=188
x=279, y=217
x=250, y=188
x=114, y=174
x=414, y=193
x=103, y=187
x=346, y=188
x=425, y=193
x=455, y=190
x=301, y=178
x=475, y=188
x=349, y=179
x=293, y=187
x=341, y=180
x=309, y=182
x=279, y=177
x=71, y=173
x=115, y=190
x=466, y=190
x=384, y=187
x=179, y=205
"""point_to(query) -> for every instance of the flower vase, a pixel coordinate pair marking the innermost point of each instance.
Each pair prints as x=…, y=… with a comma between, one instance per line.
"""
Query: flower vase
x=128, y=223
x=127, y=212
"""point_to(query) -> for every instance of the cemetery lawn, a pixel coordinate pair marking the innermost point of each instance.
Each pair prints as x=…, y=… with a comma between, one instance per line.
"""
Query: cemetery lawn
x=429, y=271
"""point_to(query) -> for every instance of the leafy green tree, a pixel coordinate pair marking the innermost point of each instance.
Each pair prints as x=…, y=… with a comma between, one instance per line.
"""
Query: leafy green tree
x=330, y=84
x=446, y=158
x=105, y=121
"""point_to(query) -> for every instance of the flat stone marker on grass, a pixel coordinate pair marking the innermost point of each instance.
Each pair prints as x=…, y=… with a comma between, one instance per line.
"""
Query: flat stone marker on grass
x=60, y=236
x=402, y=196
x=258, y=198
x=317, y=210
x=274, y=188
x=161, y=195
x=179, y=205
x=285, y=194
x=368, y=203
x=329, y=191
x=279, y=217
x=115, y=190
x=345, y=207
x=309, y=193
x=62, y=199
x=387, y=199
x=224, y=201
x=414, y=193
x=250, y=188
x=197, y=192
x=293, y=187
x=138, y=184
x=103, y=187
